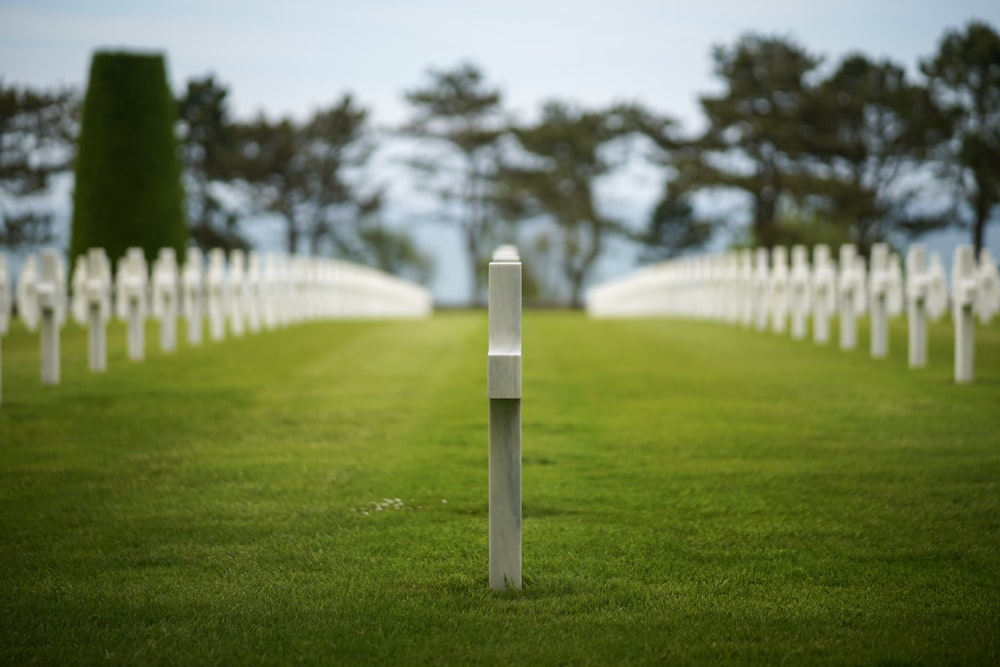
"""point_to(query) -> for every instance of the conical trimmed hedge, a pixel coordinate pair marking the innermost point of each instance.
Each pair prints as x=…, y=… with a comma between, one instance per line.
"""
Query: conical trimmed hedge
x=128, y=173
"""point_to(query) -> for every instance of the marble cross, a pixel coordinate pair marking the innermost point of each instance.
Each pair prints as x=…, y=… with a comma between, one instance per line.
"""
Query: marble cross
x=255, y=292
x=92, y=303
x=799, y=291
x=824, y=293
x=917, y=287
x=974, y=289
x=193, y=294
x=132, y=286
x=216, y=294
x=504, y=392
x=50, y=292
x=745, y=286
x=851, y=285
x=761, y=282
x=879, y=294
x=237, y=292
x=778, y=289
x=165, y=297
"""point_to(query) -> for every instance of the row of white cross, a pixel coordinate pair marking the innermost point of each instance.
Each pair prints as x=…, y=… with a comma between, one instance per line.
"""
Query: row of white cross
x=247, y=292
x=762, y=289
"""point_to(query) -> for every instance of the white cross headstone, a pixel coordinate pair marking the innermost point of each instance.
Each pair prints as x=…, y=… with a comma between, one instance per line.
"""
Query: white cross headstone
x=237, y=292
x=78, y=299
x=6, y=302
x=779, y=289
x=761, y=280
x=165, y=297
x=824, y=293
x=879, y=295
x=255, y=292
x=193, y=292
x=988, y=295
x=504, y=391
x=917, y=287
x=132, y=286
x=973, y=289
x=270, y=292
x=92, y=297
x=799, y=292
x=51, y=294
x=745, y=286
x=851, y=284
x=27, y=292
x=216, y=293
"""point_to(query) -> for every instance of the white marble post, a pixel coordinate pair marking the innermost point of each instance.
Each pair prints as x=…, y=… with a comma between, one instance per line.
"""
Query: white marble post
x=6, y=302
x=504, y=390
x=165, y=296
x=193, y=290
x=988, y=293
x=745, y=286
x=216, y=294
x=850, y=283
x=761, y=279
x=255, y=291
x=824, y=293
x=799, y=293
x=879, y=295
x=133, y=283
x=778, y=288
x=51, y=292
x=963, y=295
x=917, y=280
x=97, y=297
x=237, y=292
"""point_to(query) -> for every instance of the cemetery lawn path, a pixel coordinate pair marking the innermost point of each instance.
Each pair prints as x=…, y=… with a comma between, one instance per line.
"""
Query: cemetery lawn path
x=693, y=494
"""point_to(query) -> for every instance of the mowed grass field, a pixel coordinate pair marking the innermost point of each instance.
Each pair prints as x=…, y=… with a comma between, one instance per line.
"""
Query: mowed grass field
x=694, y=494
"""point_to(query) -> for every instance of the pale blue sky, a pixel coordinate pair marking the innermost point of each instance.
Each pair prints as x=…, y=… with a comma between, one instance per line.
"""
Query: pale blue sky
x=288, y=56
x=291, y=56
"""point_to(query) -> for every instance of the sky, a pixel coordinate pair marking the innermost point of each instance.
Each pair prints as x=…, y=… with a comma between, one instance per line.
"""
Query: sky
x=289, y=57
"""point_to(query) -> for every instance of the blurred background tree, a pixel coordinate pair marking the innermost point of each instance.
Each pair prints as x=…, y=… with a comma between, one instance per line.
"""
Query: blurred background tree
x=457, y=111
x=37, y=133
x=964, y=77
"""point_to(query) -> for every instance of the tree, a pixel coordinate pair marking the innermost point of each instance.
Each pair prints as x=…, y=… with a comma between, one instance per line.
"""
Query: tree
x=128, y=172
x=208, y=143
x=37, y=130
x=558, y=180
x=872, y=131
x=755, y=140
x=458, y=111
x=964, y=76
x=674, y=227
x=311, y=174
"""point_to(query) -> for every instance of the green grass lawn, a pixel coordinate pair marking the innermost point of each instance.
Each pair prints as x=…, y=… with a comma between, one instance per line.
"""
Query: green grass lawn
x=693, y=494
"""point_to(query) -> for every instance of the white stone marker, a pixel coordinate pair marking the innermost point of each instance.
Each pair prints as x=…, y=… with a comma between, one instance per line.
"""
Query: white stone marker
x=165, y=296
x=761, y=279
x=95, y=287
x=504, y=390
x=27, y=292
x=824, y=293
x=973, y=289
x=851, y=282
x=133, y=281
x=51, y=294
x=6, y=302
x=216, y=294
x=799, y=291
x=255, y=291
x=988, y=294
x=778, y=288
x=745, y=286
x=879, y=295
x=193, y=292
x=237, y=292
x=917, y=284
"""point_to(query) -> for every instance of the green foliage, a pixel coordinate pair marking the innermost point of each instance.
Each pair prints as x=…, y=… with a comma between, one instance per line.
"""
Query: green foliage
x=36, y=136
x=756, y=140
x=208, y=141
x=693, y=495
x=456, y=111
x=128, y=172
x=964, y=76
